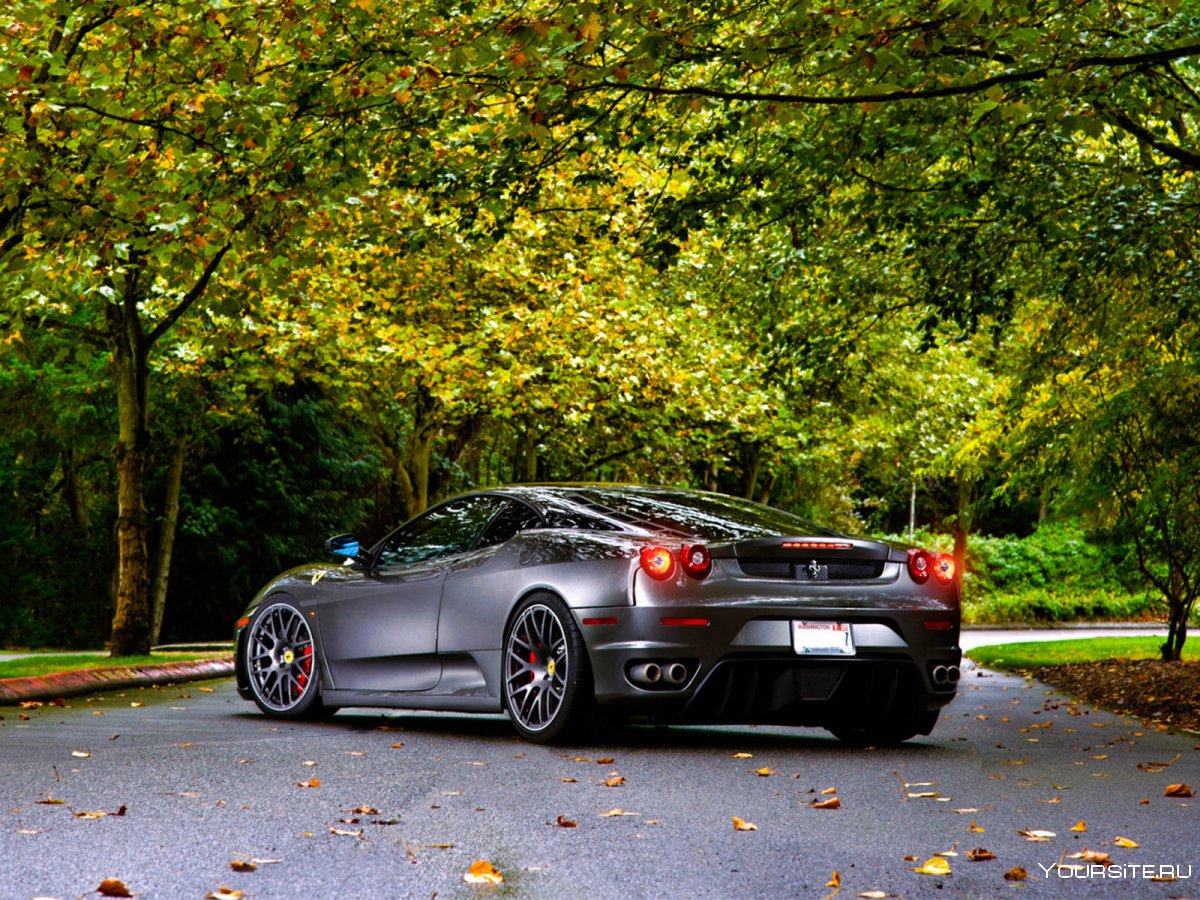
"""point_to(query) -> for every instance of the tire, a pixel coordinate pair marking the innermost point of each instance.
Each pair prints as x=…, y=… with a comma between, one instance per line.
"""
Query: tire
x=887, y=733
x=281, y=664
x=547, y=681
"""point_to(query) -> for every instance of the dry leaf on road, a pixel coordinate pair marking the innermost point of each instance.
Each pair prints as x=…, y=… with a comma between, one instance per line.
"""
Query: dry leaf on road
x=742, y=825
x=935, y=865
x=483, y=872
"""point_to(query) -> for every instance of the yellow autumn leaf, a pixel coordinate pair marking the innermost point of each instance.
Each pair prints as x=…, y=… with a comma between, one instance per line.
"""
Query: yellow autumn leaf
x=1127, y=843
x=1079, y=826
x=831, y=803
x=935, y=865
x=764, y=771
x=742, y=825
x=1178, y=790
x=975, y=828
x=482, y=872
x=743, y=756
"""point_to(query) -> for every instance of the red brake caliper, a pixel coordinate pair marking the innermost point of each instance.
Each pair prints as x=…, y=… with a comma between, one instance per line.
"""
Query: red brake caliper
x=305, y=666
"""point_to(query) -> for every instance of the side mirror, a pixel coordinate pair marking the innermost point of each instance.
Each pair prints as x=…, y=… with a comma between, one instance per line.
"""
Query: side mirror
x=343, y=545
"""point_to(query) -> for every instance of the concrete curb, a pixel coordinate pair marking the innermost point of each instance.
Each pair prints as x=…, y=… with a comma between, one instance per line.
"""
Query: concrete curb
x=87, y=681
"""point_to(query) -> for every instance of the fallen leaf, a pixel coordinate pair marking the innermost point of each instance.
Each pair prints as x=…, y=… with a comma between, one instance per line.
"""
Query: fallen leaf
x=570, y=780
x=137, y=704
x=831, y=803
x=615, y=781
x=365, y=810
x=606, y=761
x=1036, y=835
x=564, y=822
x=1094, y=856
x=743, y=825
x=1178, y=790
x=113, y=887
x=835, y=882
x=311, y=783
x=483, y=872
x=743, y=756
x=979, y=854
x=224, y=893
x=309, y=762
x=1016, y=873
x=81, y=754
x=873, y=895
x=240, y=865
x=31, y=704
x=1127, y=843
x=613, y=813
x=829, y=790
x=346, y=832
x=975, y=828
x=764, y=772
x=1079, y=826
x=51, y=801
x=935, y=865
x=397, y=745
x=206, y=690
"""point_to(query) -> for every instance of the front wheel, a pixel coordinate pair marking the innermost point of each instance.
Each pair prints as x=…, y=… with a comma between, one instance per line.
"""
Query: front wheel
x=547, y=680
x=281, y=664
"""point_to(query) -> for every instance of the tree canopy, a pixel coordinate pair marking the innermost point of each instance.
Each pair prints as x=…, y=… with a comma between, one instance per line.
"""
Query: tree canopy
x=839, y=258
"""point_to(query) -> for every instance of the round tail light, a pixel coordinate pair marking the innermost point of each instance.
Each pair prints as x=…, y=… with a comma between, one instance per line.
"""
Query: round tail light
x=943, y=568
x=658, y=562
x=696, y=560
x=920, y=565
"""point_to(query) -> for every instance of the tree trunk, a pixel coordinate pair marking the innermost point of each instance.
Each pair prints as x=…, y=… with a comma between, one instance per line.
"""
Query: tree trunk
x=962, y=525
x=166, y=543
x=1178, y=609
x=529, y=455
x=751, y=465
x=131, y=622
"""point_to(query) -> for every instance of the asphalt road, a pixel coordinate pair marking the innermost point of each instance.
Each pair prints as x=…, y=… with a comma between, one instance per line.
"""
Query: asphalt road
x=204, y=780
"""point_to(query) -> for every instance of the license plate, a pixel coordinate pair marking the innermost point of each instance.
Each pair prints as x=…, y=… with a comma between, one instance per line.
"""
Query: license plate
x=822, y=638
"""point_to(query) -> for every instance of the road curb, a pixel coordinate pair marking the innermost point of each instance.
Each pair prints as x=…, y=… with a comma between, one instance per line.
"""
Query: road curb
x=86, y=681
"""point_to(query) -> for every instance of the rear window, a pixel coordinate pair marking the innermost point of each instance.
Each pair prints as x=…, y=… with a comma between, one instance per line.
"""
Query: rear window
x=679, y=513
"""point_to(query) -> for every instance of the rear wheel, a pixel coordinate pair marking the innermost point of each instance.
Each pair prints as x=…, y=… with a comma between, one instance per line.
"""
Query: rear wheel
x=547, y=679
x=885, y=733
x=281, y=664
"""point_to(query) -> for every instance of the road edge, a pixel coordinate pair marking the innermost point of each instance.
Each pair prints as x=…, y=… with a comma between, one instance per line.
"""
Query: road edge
x=85, y=681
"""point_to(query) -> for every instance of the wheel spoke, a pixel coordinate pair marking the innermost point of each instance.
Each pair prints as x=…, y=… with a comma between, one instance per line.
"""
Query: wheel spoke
x=280, y=658
x=536, y=665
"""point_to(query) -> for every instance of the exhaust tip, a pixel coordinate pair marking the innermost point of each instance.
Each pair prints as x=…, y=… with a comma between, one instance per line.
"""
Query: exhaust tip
x=940, y=675
x=646, y=673
x=675, y=673
x=953, y=674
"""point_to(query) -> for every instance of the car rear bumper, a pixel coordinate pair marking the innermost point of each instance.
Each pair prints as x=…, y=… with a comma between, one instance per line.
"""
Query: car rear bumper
x=741, y=667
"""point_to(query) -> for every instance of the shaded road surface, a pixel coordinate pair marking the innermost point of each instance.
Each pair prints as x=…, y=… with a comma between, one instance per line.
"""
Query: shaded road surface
x=204, y=780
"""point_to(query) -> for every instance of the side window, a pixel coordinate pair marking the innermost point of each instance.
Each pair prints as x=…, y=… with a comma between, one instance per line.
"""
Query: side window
x=513, y=518
x=444, y=530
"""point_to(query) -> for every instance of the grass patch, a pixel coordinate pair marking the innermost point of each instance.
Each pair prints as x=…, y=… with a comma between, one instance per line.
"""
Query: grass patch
x=1031, y=654
x=49, y=664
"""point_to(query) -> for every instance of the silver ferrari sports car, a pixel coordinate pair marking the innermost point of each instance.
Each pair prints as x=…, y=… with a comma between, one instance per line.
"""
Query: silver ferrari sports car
x=568, y=605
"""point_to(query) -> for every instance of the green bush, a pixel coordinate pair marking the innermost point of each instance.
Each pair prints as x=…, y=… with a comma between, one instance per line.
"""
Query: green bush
x=1054, y=575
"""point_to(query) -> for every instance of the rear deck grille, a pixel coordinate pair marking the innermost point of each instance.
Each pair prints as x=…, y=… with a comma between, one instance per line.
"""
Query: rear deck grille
x=817, y=569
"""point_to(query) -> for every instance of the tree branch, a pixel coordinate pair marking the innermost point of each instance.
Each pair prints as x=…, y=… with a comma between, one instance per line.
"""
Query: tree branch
x=903, y=94
x=1144, y=134
x=168, y=321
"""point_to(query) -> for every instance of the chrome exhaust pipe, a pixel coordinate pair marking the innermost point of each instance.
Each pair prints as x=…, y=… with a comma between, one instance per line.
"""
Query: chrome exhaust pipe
x=646, y=673
x=952, y=674
x=675, y=673
x=940, y=676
